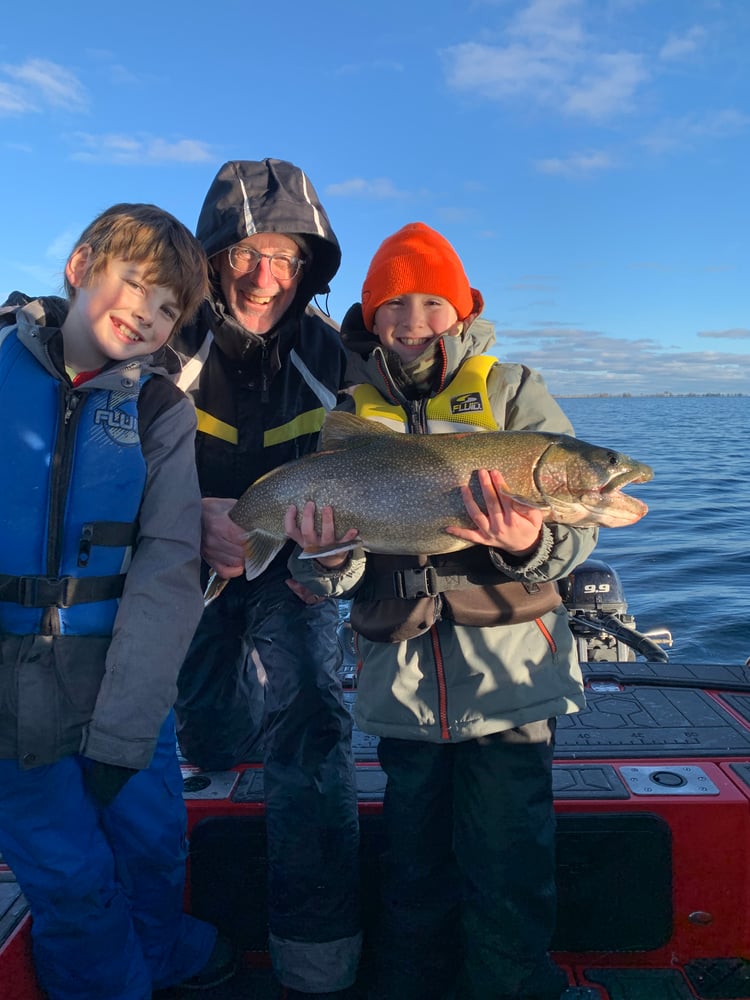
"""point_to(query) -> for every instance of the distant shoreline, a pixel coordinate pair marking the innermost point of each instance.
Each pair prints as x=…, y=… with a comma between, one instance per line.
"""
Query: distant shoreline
x=649, y=395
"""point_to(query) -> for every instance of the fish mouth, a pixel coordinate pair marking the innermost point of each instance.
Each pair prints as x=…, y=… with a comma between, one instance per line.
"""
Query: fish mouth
x=609, y=508
x=641, y=474
x=605, y=504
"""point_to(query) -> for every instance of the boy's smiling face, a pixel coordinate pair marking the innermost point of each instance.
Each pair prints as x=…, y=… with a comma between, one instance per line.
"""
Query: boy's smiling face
x=116, y=313
x=408, y=324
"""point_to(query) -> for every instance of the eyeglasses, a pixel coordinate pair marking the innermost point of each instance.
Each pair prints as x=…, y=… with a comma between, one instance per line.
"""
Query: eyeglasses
x=246, y=259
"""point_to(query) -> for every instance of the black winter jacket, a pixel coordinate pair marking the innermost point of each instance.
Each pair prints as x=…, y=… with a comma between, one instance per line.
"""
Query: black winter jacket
x=261, y=400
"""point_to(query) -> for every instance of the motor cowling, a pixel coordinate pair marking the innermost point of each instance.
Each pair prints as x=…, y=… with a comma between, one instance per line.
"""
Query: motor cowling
x=593, y=587
x=598, y=618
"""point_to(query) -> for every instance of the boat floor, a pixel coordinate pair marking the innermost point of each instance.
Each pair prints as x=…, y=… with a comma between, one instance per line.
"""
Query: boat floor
x=652, y=795
x=586, y=984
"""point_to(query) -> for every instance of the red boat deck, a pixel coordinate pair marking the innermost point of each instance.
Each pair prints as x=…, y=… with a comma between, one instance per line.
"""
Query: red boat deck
x=652, y=793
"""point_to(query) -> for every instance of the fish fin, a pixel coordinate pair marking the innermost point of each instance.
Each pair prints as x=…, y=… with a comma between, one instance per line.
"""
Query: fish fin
x=340, y=427
x=525, y=502
x=260, y=550
x=335, y=548
x=214, y=587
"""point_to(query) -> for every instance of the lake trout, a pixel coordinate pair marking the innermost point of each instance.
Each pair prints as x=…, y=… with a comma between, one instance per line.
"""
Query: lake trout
x=402, y=490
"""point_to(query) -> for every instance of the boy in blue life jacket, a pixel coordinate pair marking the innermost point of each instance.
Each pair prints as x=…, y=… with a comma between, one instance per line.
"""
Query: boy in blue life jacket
x=466, y=659
x=99, y=598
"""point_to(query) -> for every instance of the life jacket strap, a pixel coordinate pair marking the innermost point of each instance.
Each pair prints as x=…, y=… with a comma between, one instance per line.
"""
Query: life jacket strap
x=59, y=591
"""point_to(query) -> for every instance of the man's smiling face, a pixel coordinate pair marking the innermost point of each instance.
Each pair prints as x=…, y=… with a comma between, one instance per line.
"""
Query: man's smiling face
x=258, y=299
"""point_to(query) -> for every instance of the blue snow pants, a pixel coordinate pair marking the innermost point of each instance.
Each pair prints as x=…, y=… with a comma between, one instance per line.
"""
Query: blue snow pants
x=105, y=885
x=289, y=706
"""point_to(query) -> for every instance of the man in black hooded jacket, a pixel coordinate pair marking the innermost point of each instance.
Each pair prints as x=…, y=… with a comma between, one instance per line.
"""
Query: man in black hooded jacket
x=262, y=368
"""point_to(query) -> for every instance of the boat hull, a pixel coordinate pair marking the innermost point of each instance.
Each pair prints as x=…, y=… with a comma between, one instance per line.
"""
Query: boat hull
x=652, y=797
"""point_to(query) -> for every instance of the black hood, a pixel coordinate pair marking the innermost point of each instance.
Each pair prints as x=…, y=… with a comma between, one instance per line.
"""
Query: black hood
x=270, y=196
x=355, y=336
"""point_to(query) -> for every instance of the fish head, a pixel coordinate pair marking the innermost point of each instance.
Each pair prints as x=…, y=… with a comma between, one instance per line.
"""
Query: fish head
x=582, y=484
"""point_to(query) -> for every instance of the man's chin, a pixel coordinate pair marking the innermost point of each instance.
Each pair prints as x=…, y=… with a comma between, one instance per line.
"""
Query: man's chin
x=256, y=323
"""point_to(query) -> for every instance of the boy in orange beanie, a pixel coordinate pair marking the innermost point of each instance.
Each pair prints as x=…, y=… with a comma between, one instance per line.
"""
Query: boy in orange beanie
x=466, y=658
x=412, y=260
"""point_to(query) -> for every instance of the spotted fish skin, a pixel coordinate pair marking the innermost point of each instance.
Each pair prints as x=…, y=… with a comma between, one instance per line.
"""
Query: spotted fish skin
x=401, y=491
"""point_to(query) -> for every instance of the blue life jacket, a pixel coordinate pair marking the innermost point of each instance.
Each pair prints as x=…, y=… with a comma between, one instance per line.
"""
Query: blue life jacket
x=74, y=475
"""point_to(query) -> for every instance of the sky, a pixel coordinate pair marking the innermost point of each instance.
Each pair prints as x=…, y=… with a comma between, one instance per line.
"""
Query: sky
x=588, y=159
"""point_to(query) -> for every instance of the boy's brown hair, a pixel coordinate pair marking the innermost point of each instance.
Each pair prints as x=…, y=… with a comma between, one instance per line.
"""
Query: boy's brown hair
x=147, y=234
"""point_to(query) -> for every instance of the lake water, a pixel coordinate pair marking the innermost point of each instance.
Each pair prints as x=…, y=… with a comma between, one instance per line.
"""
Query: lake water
x=686, y=565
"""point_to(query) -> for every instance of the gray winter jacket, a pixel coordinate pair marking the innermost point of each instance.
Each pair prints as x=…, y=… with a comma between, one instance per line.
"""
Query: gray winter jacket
x=107, y=696
x=459, y=682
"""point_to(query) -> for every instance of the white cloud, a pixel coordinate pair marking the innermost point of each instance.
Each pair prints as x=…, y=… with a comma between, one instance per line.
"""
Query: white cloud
x=14, y=101
x=738, y=333
x=679, y=46
x=141, y=149
x=550, y=22
x=549, y=59
x=61, y=245
x=575, y=360
x=608, y=88
x=577, y=165
x=40, y=84
x=359, y=187
x=500, y=73
x=690, y=130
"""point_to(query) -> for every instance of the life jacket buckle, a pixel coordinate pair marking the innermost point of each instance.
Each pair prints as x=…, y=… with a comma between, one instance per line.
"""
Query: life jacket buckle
x=414, y=582
x=44, y=591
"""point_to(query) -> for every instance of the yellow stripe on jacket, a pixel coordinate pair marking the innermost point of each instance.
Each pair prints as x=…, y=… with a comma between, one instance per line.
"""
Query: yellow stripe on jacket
x=464, y=404
x=305, y=423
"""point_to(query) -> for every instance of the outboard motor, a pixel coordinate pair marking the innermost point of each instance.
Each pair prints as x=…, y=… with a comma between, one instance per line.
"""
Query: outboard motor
x=347, y=670
x=604, y=631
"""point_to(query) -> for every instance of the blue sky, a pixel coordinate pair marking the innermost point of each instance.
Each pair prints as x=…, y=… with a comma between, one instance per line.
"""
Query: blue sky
x=587, y=158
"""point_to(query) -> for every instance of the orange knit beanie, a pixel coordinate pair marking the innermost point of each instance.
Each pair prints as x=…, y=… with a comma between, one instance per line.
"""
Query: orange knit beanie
x=417, y=259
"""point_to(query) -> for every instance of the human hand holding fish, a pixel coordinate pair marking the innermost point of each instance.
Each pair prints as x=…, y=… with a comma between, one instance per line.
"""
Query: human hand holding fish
x=222, y=545
x=303, y=530
x=504, y=523
x=222, y=540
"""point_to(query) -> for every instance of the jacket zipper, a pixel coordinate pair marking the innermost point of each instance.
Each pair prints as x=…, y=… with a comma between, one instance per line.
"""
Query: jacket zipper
x=416, y=414
x=264, y=373
x=416, y=423
x=62, y=463
x=445, y=729
x=547, y=634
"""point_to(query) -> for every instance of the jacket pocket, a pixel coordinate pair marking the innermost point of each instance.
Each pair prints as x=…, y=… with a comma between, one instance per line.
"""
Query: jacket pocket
x=394, y=619
x=79, y=668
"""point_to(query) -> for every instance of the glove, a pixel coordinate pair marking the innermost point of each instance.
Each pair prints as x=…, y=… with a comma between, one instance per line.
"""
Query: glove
x=104, y=781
